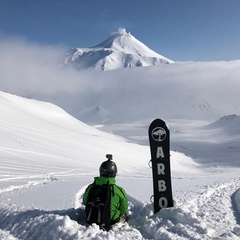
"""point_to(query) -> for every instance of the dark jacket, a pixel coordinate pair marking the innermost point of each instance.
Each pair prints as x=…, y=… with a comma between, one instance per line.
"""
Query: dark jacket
x=119, y=202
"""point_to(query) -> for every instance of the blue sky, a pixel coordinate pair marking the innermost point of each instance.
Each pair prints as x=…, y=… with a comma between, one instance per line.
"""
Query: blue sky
x=182, y=30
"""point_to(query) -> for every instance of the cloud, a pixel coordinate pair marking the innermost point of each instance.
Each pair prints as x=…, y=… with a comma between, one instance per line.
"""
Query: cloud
x=33, y=70
x=28, y=68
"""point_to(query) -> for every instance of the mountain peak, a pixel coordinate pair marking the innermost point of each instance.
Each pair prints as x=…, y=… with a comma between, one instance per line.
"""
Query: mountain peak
x=123, y=41
x=120, y=50
x=122, y=32
x=118, y=40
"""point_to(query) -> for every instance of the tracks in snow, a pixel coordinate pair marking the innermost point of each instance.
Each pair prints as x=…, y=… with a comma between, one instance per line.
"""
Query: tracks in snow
x=220, y=206
x=214, y=207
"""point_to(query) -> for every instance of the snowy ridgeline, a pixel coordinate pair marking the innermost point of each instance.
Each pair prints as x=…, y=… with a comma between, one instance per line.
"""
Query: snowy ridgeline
x=47, y=158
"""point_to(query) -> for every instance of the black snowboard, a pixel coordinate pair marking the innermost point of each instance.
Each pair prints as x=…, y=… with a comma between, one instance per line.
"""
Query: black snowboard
x=159, y=140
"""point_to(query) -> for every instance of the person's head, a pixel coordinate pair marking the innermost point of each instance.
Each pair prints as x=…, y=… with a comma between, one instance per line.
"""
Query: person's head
x=108, y=168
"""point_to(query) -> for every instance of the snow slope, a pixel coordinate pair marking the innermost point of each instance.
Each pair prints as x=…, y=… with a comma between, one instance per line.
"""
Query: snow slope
x=121, y=50
x=48, y=158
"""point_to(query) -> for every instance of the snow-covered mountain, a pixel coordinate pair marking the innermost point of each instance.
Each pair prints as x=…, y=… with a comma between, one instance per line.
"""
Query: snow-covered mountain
x=121, y=50
x=229, y=124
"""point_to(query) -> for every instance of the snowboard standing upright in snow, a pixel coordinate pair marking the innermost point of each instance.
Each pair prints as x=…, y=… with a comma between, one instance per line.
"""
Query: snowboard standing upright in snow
x=159, y=140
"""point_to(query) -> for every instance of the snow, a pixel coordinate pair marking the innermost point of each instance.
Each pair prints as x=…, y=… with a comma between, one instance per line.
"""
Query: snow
x=51, y=150
x=48, y=158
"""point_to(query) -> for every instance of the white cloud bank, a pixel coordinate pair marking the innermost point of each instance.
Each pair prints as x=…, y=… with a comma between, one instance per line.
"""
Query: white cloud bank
x=32, y=70
x=28, y=68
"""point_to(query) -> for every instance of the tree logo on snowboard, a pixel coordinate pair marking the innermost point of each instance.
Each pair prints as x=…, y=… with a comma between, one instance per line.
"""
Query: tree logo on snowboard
x=158, y=134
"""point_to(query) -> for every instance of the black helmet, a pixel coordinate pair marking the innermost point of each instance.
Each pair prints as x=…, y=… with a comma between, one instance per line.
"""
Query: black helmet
x=108, y=168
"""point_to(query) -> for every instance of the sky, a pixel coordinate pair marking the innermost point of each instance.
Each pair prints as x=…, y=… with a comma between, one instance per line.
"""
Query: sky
x=186, y=30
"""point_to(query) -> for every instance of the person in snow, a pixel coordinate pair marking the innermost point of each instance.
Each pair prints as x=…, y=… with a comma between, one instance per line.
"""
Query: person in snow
x=118, y=201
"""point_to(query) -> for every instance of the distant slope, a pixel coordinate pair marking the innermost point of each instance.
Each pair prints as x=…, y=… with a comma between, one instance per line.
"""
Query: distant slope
x=121, y=50
x=229, y=124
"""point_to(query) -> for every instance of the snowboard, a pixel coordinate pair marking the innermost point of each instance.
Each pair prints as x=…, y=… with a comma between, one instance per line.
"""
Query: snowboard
x=159, y=140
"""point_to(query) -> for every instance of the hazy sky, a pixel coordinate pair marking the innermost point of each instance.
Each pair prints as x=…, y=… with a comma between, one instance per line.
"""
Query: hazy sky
x=182, y=30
